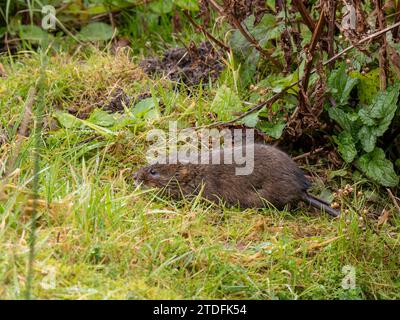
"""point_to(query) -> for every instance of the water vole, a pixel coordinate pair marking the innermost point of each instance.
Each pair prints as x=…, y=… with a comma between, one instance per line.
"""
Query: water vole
x=275, y=178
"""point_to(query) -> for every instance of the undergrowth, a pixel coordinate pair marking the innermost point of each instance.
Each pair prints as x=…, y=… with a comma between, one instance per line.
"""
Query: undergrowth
x=99, y=236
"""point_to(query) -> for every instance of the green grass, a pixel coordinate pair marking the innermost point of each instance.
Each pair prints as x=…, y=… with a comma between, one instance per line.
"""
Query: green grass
x=101, y=237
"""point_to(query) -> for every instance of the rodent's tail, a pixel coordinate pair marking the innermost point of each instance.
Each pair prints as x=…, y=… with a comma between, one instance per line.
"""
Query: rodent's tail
x=321, y=205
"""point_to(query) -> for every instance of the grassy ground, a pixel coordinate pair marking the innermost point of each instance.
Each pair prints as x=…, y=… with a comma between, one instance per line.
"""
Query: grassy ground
x=100, y=237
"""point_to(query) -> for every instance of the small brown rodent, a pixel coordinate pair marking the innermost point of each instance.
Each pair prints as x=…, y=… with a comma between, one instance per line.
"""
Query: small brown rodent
x=275, y=178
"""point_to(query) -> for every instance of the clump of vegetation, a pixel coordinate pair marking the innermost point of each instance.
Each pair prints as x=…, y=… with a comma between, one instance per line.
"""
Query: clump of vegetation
x=297, y=71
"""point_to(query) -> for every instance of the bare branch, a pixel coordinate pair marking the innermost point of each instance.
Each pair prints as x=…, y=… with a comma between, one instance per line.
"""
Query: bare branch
x=304, y=14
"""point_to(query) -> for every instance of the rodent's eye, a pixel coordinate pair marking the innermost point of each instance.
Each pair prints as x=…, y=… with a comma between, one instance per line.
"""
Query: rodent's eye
x=153, y=171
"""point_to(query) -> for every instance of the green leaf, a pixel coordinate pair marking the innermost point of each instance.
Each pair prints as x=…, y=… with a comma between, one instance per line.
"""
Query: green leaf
x=146, y=109
x=378, y=168
x=102, y=118
x=161, y=6
x=33, y=33
x=367, y=138
x=190, y=5
x=273, y=130
x=341, y=118
x=250, y=120
x=368, y=86
x=96, y=31
x=281, y=83
x=67, y=120
x=226, y=103
x=248, y=68
x=346, y=146
x=381, y=112
x=378, y=116
x=262, y=33
x=341, y=84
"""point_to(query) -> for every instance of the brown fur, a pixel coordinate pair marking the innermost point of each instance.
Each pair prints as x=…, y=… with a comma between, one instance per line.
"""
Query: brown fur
x=276, y=179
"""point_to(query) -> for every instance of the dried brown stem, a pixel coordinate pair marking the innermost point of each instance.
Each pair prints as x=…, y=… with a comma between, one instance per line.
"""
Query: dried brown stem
x=331, y=29
x=383, y=63
x=314, y=40
x=395, y=31
x=366, y=39
x=304, y=14
x=335, y=57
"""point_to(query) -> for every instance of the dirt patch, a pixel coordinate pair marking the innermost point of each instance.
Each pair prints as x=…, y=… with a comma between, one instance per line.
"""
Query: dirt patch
x=117, y=102
x=190, y=65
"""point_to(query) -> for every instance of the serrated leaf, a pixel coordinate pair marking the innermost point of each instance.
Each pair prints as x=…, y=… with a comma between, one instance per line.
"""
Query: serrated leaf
x=96, y=31
x=378, y=168
x=346, y=146
x=378, y=116
x=226, y=103
x=341, y=84
x=381, y=112
x=365, y=118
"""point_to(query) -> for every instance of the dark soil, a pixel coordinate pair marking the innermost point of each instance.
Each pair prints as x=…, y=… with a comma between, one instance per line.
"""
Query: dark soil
x=190, y=65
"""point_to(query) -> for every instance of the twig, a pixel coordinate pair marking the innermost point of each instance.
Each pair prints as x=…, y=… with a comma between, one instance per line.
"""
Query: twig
x=276, y=96
x=314, y=40
x=371, y=36
x=205, y=32
x=331, y=17
x=395, y=31
x=255, y=108
x=382, y=50
x=393, y=199
x=305, y=155
x=304, y=14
